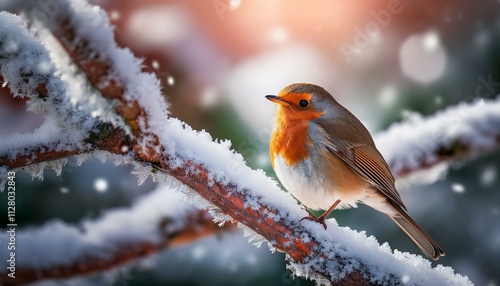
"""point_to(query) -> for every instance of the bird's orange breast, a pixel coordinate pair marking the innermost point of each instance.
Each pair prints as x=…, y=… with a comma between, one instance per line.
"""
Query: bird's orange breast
x=290, y=142
x=290, y=137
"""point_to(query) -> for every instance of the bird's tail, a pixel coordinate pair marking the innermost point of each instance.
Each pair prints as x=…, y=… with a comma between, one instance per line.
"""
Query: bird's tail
x=417, y=234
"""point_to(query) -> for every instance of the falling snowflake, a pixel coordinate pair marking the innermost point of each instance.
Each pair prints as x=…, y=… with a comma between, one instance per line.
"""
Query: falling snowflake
x=155, y=64
x=387, y=95
x=458, y=188
x=234, y=4
x=114, y=15
x=170, y=80
x=124, y=149
x=101, y=185
x=488, y=176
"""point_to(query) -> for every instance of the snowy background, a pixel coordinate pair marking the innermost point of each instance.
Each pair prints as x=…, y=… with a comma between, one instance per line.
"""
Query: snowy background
x=384, y=60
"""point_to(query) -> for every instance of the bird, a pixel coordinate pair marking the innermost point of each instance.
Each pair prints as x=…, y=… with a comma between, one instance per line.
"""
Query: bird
x=327, y=159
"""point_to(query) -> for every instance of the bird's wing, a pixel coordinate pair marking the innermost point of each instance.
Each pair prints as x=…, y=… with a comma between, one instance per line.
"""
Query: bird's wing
x=370, y=165
x=355, y=147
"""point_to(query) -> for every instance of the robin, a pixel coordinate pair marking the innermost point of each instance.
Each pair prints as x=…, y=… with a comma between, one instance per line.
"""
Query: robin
x=326, y=158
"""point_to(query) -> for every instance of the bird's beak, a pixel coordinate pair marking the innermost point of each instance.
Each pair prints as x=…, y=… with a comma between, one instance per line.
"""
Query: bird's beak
x=278, y=100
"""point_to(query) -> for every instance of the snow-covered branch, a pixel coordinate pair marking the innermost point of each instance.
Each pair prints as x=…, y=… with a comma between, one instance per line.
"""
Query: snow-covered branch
x=422, y=143
x=230, y=190
x=159, y=220
x=87, y=36
x=28, y=71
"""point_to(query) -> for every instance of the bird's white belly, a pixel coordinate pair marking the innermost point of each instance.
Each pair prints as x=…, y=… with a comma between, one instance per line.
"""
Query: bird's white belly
x=306, y=183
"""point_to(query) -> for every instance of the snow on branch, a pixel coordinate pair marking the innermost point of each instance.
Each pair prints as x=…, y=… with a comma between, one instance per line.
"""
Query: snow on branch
x=423, y=143
x=26, y=68
x=232, y=191
x=159, y=220
x=134, y=95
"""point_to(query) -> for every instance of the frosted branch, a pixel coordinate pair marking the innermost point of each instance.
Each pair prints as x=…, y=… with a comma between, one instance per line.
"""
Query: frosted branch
x=160, y=220
x=27, y=69
x=87, y=36
x=420, y=144
x=27, y=150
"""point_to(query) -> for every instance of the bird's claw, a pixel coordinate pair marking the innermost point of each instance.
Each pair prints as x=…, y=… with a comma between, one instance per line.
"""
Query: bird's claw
x=319, y=219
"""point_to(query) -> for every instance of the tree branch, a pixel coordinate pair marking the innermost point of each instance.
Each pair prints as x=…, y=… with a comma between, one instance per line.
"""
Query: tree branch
x=460, y=132
x=46, y=144
x=107, y=138
x=115, y=84
x=160, y=220
x=26, y=67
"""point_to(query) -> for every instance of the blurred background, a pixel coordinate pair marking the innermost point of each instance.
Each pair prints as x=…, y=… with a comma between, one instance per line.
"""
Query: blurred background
x=218, y=59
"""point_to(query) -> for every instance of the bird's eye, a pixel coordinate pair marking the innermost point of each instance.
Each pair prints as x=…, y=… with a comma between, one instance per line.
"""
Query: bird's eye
x=303, y=103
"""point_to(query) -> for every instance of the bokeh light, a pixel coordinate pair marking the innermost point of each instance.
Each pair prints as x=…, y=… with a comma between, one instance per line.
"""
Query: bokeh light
x=101, y=185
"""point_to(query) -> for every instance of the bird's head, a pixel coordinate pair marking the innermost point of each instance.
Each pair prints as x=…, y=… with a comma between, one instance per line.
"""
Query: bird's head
x=302, y=101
